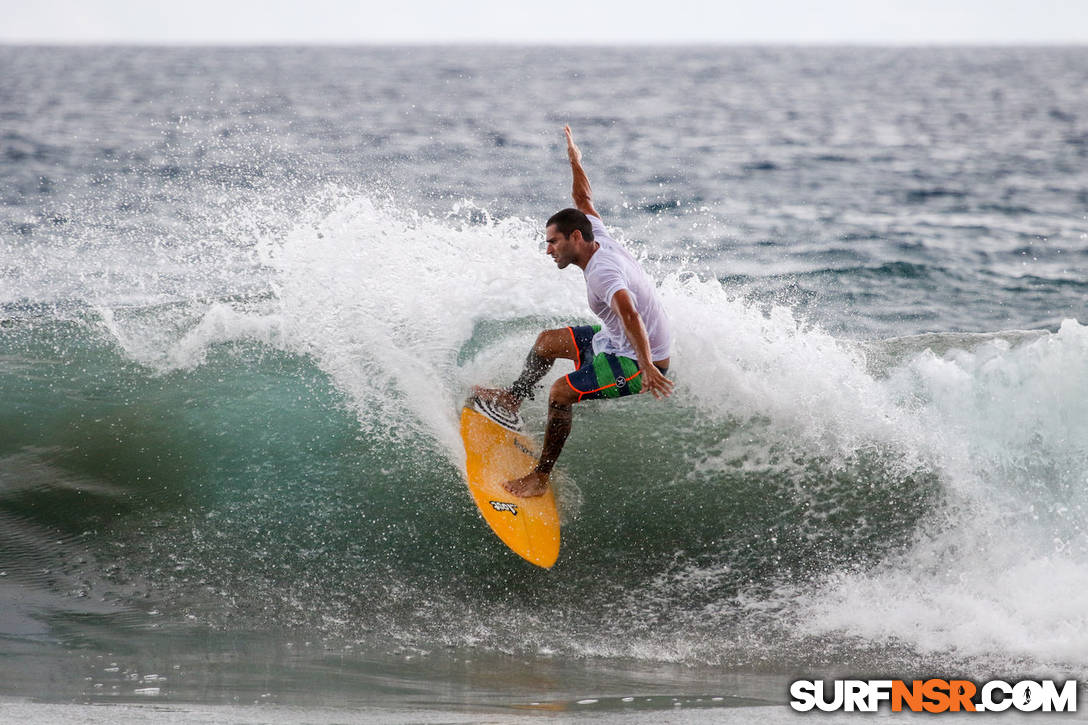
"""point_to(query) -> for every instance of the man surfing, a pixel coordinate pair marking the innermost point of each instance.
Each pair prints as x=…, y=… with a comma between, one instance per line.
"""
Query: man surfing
x=627, y=353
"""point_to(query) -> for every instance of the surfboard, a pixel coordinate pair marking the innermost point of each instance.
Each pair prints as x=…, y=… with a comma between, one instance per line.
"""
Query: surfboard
x=497, y=451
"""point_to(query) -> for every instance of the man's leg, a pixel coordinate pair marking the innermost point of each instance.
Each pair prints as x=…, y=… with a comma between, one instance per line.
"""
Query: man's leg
x=560, y=420
x=549, y=346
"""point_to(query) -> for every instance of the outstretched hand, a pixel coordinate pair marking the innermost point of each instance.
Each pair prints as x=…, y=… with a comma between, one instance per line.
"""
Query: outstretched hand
x=653, y=381
x=573, y=152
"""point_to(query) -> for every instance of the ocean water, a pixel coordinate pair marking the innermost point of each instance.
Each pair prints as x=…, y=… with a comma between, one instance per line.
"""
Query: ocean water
x=244, y=291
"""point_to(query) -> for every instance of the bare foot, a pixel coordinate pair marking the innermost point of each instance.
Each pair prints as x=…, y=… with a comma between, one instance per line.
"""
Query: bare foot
x=534, y=484
x=498, y=396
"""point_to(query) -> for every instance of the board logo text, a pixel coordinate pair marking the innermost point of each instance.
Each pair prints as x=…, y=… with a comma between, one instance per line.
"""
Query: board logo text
x=504, y=506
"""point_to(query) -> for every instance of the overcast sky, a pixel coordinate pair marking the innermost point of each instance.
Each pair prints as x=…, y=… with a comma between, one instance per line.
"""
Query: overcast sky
x=577, y=21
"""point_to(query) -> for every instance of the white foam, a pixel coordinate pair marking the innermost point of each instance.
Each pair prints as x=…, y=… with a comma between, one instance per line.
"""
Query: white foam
x=158, y=338
x=738, y=361
x=1004, y=572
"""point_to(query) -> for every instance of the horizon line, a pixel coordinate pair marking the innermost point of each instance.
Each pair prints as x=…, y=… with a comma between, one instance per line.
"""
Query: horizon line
x=473, y=42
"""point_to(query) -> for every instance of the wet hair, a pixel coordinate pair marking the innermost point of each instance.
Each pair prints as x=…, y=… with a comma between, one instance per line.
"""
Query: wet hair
x=567, y=220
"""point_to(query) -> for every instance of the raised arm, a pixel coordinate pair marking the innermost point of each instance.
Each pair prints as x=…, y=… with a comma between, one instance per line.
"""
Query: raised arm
x=582, y=193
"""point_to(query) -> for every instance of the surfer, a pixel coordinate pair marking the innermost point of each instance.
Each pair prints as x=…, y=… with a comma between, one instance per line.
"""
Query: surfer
x=627, y=353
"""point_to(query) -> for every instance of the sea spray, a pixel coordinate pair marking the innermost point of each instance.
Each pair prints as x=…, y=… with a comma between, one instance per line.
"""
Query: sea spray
x=1005, y=567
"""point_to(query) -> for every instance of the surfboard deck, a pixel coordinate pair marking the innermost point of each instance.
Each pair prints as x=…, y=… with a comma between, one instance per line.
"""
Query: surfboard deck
x=496, y=453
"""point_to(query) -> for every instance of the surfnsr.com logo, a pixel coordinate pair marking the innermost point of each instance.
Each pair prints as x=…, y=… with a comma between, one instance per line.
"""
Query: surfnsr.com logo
x=933, y=695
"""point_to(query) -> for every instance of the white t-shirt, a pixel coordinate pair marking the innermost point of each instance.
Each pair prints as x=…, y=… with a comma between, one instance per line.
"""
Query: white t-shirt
x=610, y=269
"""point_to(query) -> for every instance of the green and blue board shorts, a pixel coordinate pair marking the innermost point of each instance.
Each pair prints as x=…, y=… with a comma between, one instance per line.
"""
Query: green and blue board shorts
x=603, y=375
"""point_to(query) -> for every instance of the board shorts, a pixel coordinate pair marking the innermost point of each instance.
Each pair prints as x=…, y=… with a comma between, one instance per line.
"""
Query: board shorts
x=603, y=375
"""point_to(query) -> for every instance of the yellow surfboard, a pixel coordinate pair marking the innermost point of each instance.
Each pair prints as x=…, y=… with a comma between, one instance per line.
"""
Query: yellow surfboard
x=497, y=453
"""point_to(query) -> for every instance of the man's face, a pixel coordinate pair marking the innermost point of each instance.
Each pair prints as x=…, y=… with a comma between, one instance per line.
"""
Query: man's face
x=560, y=246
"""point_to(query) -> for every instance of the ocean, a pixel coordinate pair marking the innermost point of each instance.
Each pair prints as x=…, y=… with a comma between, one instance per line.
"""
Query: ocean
x=244, y=291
